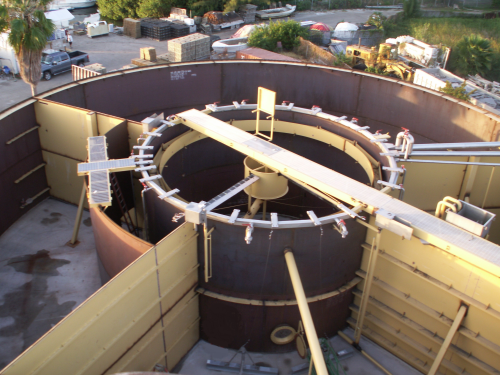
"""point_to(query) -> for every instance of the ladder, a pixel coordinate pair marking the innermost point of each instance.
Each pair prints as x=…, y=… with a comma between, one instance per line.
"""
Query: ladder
x=123, y=205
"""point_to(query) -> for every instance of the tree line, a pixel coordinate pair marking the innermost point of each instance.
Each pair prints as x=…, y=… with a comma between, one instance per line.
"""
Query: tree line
x=120, y=9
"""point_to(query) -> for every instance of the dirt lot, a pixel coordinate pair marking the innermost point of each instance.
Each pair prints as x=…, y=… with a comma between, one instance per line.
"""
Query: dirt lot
x=115, y=51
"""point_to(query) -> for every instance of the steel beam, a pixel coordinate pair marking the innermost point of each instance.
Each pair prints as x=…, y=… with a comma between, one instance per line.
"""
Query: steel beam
x=366, y=290
x=305, y=313
x=79, y=214
x=447, y=341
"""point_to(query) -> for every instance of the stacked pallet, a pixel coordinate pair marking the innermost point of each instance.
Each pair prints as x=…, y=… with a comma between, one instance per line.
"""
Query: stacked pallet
x=188, y=48
x=156, y=29
x=179, y=29
x=247, y=12
x=132, y=28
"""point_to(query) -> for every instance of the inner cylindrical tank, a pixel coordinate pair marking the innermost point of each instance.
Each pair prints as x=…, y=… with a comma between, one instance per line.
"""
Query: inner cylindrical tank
x=269, y=186
x=250, y=293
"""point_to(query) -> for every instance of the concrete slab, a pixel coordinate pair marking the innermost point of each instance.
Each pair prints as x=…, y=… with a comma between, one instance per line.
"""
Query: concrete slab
x=195, y=361
x=41, y=279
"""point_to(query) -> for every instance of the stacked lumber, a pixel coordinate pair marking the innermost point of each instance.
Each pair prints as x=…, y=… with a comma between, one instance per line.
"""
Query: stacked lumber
x=188, y=48
x=247, y=12
x=132, y=28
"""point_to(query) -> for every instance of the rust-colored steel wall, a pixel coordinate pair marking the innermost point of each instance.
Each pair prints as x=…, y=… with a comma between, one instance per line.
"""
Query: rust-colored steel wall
x=231, y=325
x=16, y=159
x=375, y=100
x=325, y=260
x=116, y=247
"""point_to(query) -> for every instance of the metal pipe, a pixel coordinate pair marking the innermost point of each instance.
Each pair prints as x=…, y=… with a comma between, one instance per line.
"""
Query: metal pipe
x=488, y=188
x=79, y=214
x=207, y=237
x=369, y=357
x=145, y=219
x=366, y=290
x=440, y=208
x=253, y=209
x=454, y=201
x=447, y=341
x=450, y=162
x=305, y=313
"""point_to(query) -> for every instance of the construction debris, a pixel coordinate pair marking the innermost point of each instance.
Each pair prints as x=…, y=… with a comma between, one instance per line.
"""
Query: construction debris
x=478, y=81
x=132, y=28
x=436, y=78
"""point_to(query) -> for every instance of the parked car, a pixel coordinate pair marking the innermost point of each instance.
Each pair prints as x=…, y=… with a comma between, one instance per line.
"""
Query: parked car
x=59, y=62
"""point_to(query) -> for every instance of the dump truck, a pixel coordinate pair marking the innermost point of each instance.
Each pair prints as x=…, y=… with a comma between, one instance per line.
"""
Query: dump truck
x=385, y=59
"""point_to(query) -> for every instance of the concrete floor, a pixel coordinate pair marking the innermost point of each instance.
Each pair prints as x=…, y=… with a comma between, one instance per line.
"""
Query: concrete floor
x=115, y=51
x=41, y=279
x=357, y=364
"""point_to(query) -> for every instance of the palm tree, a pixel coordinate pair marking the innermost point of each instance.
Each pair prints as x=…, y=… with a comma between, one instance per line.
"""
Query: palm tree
x=474, y=55
x=29, y=31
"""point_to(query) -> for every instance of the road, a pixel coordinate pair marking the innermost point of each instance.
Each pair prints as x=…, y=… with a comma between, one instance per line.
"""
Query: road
x=115, y=51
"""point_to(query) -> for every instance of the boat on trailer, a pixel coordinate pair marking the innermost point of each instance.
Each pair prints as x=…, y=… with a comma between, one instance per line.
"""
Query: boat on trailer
x=276, y=13
x=230, y=45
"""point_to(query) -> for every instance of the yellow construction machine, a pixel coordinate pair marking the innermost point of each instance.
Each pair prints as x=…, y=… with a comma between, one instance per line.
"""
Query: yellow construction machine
x=385, y=60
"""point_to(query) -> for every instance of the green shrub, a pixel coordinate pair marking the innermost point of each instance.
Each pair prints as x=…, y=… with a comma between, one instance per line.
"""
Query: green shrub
x=377, y=19
x=474, y=55
x=286, y=32
x=457, y=92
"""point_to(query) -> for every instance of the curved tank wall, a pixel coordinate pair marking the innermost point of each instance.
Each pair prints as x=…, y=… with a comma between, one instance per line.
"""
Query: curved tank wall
x=379, y=102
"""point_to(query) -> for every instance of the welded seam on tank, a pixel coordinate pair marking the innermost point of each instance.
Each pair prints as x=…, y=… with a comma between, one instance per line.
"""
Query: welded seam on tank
x=254, y=302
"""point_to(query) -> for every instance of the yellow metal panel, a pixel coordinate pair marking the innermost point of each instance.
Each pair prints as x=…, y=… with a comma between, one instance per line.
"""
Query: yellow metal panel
x=63, y=129
x=175, y=241
x=62, y=178
x=183, y=345
x=403, y=323
x=468, y=341
x=266, y=101
x=134, y=131
x=426, y=184
x=156, y=331
x=483, y=175
x=449, y=269
x=50, y=348
x=175, y=326
x=105, y=123
x=147, y=351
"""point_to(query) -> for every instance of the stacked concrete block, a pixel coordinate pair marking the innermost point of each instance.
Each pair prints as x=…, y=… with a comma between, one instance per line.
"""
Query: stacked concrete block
x=96, y=68
x=247, y=12
x=148, y=53
x=132, y=28
x=188, y=48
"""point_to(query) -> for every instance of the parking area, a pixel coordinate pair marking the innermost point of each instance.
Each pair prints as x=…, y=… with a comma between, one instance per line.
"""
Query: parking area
x=115, y=51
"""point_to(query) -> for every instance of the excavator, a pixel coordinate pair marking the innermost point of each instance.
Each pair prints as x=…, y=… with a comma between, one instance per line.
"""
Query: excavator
x=384, y=60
